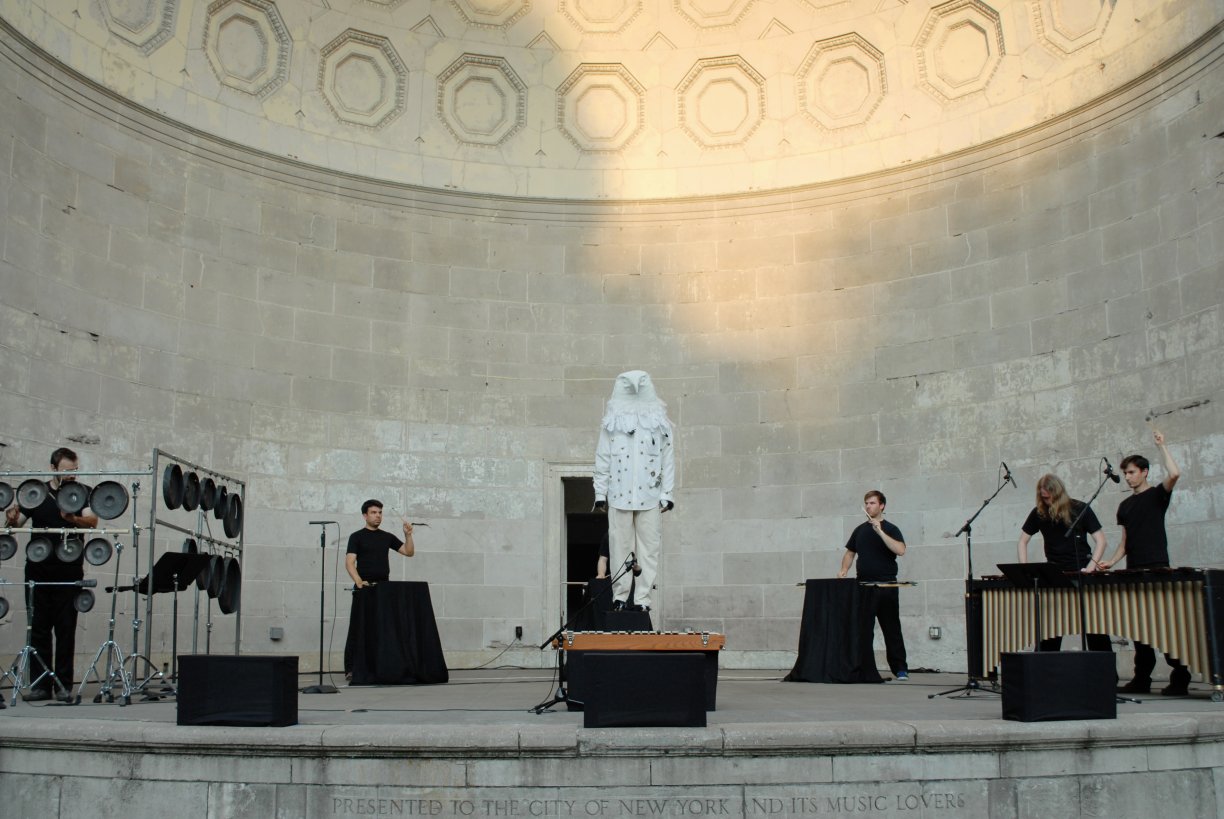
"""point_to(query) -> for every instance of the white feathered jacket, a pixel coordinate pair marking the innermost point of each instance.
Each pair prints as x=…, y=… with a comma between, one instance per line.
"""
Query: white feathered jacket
x=635, y=465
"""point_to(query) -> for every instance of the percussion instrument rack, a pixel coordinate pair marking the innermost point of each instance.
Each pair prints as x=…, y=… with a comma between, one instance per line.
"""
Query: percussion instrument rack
x=23, y=664
x=167, y=460
x=55, y=530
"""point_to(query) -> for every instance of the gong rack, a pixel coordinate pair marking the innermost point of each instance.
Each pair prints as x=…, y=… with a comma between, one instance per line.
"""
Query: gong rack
x=192, y=489
x=97, y=536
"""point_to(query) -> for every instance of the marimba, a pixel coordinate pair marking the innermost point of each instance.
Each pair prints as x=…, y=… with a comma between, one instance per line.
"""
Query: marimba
x=1177, y=611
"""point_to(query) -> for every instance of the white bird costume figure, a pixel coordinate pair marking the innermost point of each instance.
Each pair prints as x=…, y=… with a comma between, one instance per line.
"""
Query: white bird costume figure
x=635, y=473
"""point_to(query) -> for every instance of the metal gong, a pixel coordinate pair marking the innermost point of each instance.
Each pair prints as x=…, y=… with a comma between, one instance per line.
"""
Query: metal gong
x=172, y=486
x=108, y=500
x=190, y=547
x=8, y=546
x=38, y=549
x=216, y=576
x=72, y=497
x=84, y=601
x=31, y=494
x=6, y=495
x=191, y=491
x=221, y=504
x=233, y=516
x=231, y=586
x=3, y=608
x=70, y=549
x=208, y=494
x=98, y=551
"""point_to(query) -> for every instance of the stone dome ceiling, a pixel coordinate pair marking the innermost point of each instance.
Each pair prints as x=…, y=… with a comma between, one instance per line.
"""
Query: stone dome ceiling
x=611, y=99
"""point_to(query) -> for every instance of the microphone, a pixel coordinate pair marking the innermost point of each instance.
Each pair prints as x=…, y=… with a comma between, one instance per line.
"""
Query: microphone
x=321, y=522
x=631, y=559
x=1007, y=475
x=88, y=583
x=1113, y=476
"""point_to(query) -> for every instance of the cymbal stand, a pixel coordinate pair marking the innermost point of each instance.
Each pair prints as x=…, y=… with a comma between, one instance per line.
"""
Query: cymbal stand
x=135, y=658
x=114, y=654
x=23, y=663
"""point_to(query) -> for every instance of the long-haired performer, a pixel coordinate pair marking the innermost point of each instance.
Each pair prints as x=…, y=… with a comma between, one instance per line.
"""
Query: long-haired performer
x=1053, y=514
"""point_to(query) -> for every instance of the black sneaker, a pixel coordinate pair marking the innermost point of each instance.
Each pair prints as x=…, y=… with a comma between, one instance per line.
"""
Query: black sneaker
x=37, y=695
x=1175, y=690
x=1136, y=687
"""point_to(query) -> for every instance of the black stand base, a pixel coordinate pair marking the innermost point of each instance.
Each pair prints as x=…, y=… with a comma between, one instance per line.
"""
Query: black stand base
x=966, y=690
x=319, y=689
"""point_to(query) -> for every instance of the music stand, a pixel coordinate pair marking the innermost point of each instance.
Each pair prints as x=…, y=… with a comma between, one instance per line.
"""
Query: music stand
x=174, y=572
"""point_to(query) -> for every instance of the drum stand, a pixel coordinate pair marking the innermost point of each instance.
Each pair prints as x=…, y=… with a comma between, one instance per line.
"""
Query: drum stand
x=23, y=663
x=114, y=654
x=136, y=658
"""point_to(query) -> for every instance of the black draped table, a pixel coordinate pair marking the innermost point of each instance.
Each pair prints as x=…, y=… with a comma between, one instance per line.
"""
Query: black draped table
x=393, y=637
x=836, y=633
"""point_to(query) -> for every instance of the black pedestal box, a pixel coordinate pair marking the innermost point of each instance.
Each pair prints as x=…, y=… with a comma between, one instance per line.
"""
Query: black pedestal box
x=1053, y=685
x=237, y=690
x=644, y=688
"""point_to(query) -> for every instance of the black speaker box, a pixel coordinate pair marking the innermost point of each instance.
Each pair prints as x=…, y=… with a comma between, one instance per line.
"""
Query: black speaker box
x=644, y=688
x=1053, y=685
x=237, y=690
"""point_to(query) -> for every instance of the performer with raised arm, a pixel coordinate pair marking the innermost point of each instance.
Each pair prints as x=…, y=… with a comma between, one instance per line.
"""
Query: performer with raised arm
x=1053, y=514
x=366, y=559
x=1145, y=545
x=635, y=473
x=877, y=544
x=55, y=615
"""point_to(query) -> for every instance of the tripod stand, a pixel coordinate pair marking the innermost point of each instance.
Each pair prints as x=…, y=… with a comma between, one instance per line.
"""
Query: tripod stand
x=561, y=694
x=972, y=683
x=321, y=688
x=23, y=664
x=114, y=654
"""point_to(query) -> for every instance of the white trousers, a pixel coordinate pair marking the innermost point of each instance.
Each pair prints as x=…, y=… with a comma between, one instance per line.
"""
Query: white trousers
x=640, y=532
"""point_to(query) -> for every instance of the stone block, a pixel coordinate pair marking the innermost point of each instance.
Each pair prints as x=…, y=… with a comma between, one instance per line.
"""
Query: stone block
x=726, y=601
x=553, y=350
x=545, y=258
x=761, y=502
x=241, y=245
x=305, y=227
x=411, y=276
x=334, y=266
x=798, y=469
x=368, y=240
x=1070, y=329
x=873, y=268
x=1134, y=235
x=329, y=395
x=43, y=175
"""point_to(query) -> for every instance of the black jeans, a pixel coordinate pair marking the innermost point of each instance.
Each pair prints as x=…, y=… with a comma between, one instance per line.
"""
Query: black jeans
x=55, y=616
x=886, y=608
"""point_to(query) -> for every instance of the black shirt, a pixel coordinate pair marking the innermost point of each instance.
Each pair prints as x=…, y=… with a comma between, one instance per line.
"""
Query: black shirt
x=876, y=562
x=371, y=547
x=48, y=516
x=1143, y=517
x=1067, y=553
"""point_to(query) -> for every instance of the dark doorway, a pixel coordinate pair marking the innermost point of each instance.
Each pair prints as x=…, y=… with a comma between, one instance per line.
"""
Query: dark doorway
x=584, y=529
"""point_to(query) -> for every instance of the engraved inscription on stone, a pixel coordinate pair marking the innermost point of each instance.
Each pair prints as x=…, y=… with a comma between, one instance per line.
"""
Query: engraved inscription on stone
x=600, y=16
x=601, y=107
x=362, y=79
x=144, y=24
x=1066, y=26
x=959, y=49
x=950, y=800
x=721, y=102
x=492, y=13
x=481, y=100
x=841, y=81
x=247, y=45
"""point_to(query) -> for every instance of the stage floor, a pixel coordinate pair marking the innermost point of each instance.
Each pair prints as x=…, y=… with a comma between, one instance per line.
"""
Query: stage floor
x=506, y=696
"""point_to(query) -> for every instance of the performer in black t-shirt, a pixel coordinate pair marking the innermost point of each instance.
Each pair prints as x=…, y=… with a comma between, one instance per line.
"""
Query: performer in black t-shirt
x=367, y=558
x=1053, y=514
x=877, y=544
x=1146, y=546
x=55, y=615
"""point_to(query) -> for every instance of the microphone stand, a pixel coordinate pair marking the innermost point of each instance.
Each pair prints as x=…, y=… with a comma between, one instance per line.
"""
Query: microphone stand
x=971, y=683
x=561, y=694
x=321, y=688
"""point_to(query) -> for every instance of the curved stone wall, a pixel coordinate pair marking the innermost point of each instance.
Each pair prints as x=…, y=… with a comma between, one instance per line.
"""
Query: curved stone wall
x=330, y=338
x=618, y=99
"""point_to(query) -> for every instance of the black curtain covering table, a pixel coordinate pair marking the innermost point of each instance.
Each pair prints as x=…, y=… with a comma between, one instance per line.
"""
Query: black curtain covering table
x=393, y=637
x=836, y=633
